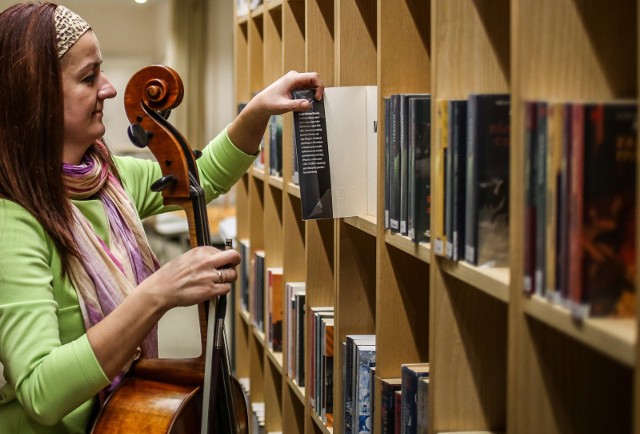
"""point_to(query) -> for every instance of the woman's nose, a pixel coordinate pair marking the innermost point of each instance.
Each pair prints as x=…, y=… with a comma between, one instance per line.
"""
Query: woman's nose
x=106, y=89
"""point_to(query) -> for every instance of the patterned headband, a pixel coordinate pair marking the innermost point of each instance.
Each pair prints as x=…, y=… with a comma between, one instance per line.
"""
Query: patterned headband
x=69, y=28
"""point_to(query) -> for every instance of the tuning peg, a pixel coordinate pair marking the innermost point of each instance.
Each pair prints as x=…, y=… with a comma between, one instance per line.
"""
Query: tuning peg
x=138, y=135
x=164, y=182
x=197, y=153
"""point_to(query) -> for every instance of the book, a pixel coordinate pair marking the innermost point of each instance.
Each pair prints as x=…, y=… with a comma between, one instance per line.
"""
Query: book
x=336, y=150
x=349, y=385
x=257, y=299
x=245, y=271
x=394, y=163
x=411, y=373
x=365, y=358
x=387, y=151
x=529, y=223
x=300, y=307
x=540, y=196
x=603, y=193
x=556, y=114
x=448, y=187
x=442, y=128
x=457, y=119
x=487, y=193
x=292, y=290
x=273, y=329
x=422, y=406
x=326, y=391
x=317, y=313
x=405, y=174
x=397, y=406
x=388, y=387
x=418, y=224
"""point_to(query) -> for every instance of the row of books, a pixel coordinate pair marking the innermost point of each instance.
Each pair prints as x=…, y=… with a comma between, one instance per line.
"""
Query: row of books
x=263, y=295
x=320, y=388
x=269, y=280
x=405, y=401
x=358, y=373
x=472, y=166
x=295, y=320
x=580, y=205
x=407, y=152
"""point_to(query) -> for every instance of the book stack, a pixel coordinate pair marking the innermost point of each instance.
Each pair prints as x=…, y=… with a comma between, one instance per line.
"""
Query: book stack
x=321, y=327
x=580, y=182
x=359, y=358
x=472, y=168
x=407, y=165
x=295, y=310
x=414, y=395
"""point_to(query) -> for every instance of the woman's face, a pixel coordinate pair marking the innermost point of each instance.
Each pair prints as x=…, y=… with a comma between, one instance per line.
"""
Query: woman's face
x=85, y=89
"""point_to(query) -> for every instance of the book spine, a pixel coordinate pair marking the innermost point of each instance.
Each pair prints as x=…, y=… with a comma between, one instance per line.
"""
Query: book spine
x=387, y=159
x=540, y=197
x=529, y=247
x=471, y=202
x=458, y=148
x=394, y=168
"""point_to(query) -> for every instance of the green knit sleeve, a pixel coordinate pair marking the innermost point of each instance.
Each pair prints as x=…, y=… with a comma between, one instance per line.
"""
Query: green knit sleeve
x=49, y=365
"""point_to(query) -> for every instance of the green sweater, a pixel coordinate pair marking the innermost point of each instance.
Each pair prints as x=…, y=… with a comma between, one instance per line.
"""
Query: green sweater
x=51, y=371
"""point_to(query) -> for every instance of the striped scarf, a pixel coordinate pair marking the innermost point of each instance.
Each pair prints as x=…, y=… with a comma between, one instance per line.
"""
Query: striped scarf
x=107, y=273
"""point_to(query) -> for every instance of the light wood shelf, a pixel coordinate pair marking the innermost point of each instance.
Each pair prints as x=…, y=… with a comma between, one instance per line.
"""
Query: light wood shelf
x=501, y=361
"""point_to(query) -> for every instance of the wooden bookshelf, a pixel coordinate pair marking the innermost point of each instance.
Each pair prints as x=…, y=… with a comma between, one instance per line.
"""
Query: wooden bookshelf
x=500, y=361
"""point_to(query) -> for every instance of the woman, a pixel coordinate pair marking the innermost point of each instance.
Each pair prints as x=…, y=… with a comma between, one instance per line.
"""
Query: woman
x=80, y=290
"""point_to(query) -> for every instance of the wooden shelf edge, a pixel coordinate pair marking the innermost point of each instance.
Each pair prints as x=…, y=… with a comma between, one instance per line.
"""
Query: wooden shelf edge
x=258, y=335
x=492, y=281
x=276, y=182
x=244, y=314
x=257, y=173
x=613, y=337
x=276, y=359
x=273, y=4
x=293, y=189
x=421, y=251
x=298, y=391
x=257, y=12
x=365, y=223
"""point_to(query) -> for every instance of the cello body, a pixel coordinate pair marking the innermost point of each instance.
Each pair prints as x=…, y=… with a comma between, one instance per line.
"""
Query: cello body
x=178, y=396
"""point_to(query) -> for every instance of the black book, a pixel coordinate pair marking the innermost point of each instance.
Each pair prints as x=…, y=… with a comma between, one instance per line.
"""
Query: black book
x=603, y=193
x=457, y=116
x=419, y=168
x=312, y=153
x=487, y=195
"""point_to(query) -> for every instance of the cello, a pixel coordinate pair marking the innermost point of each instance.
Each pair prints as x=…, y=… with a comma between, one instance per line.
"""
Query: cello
x=177, y=396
